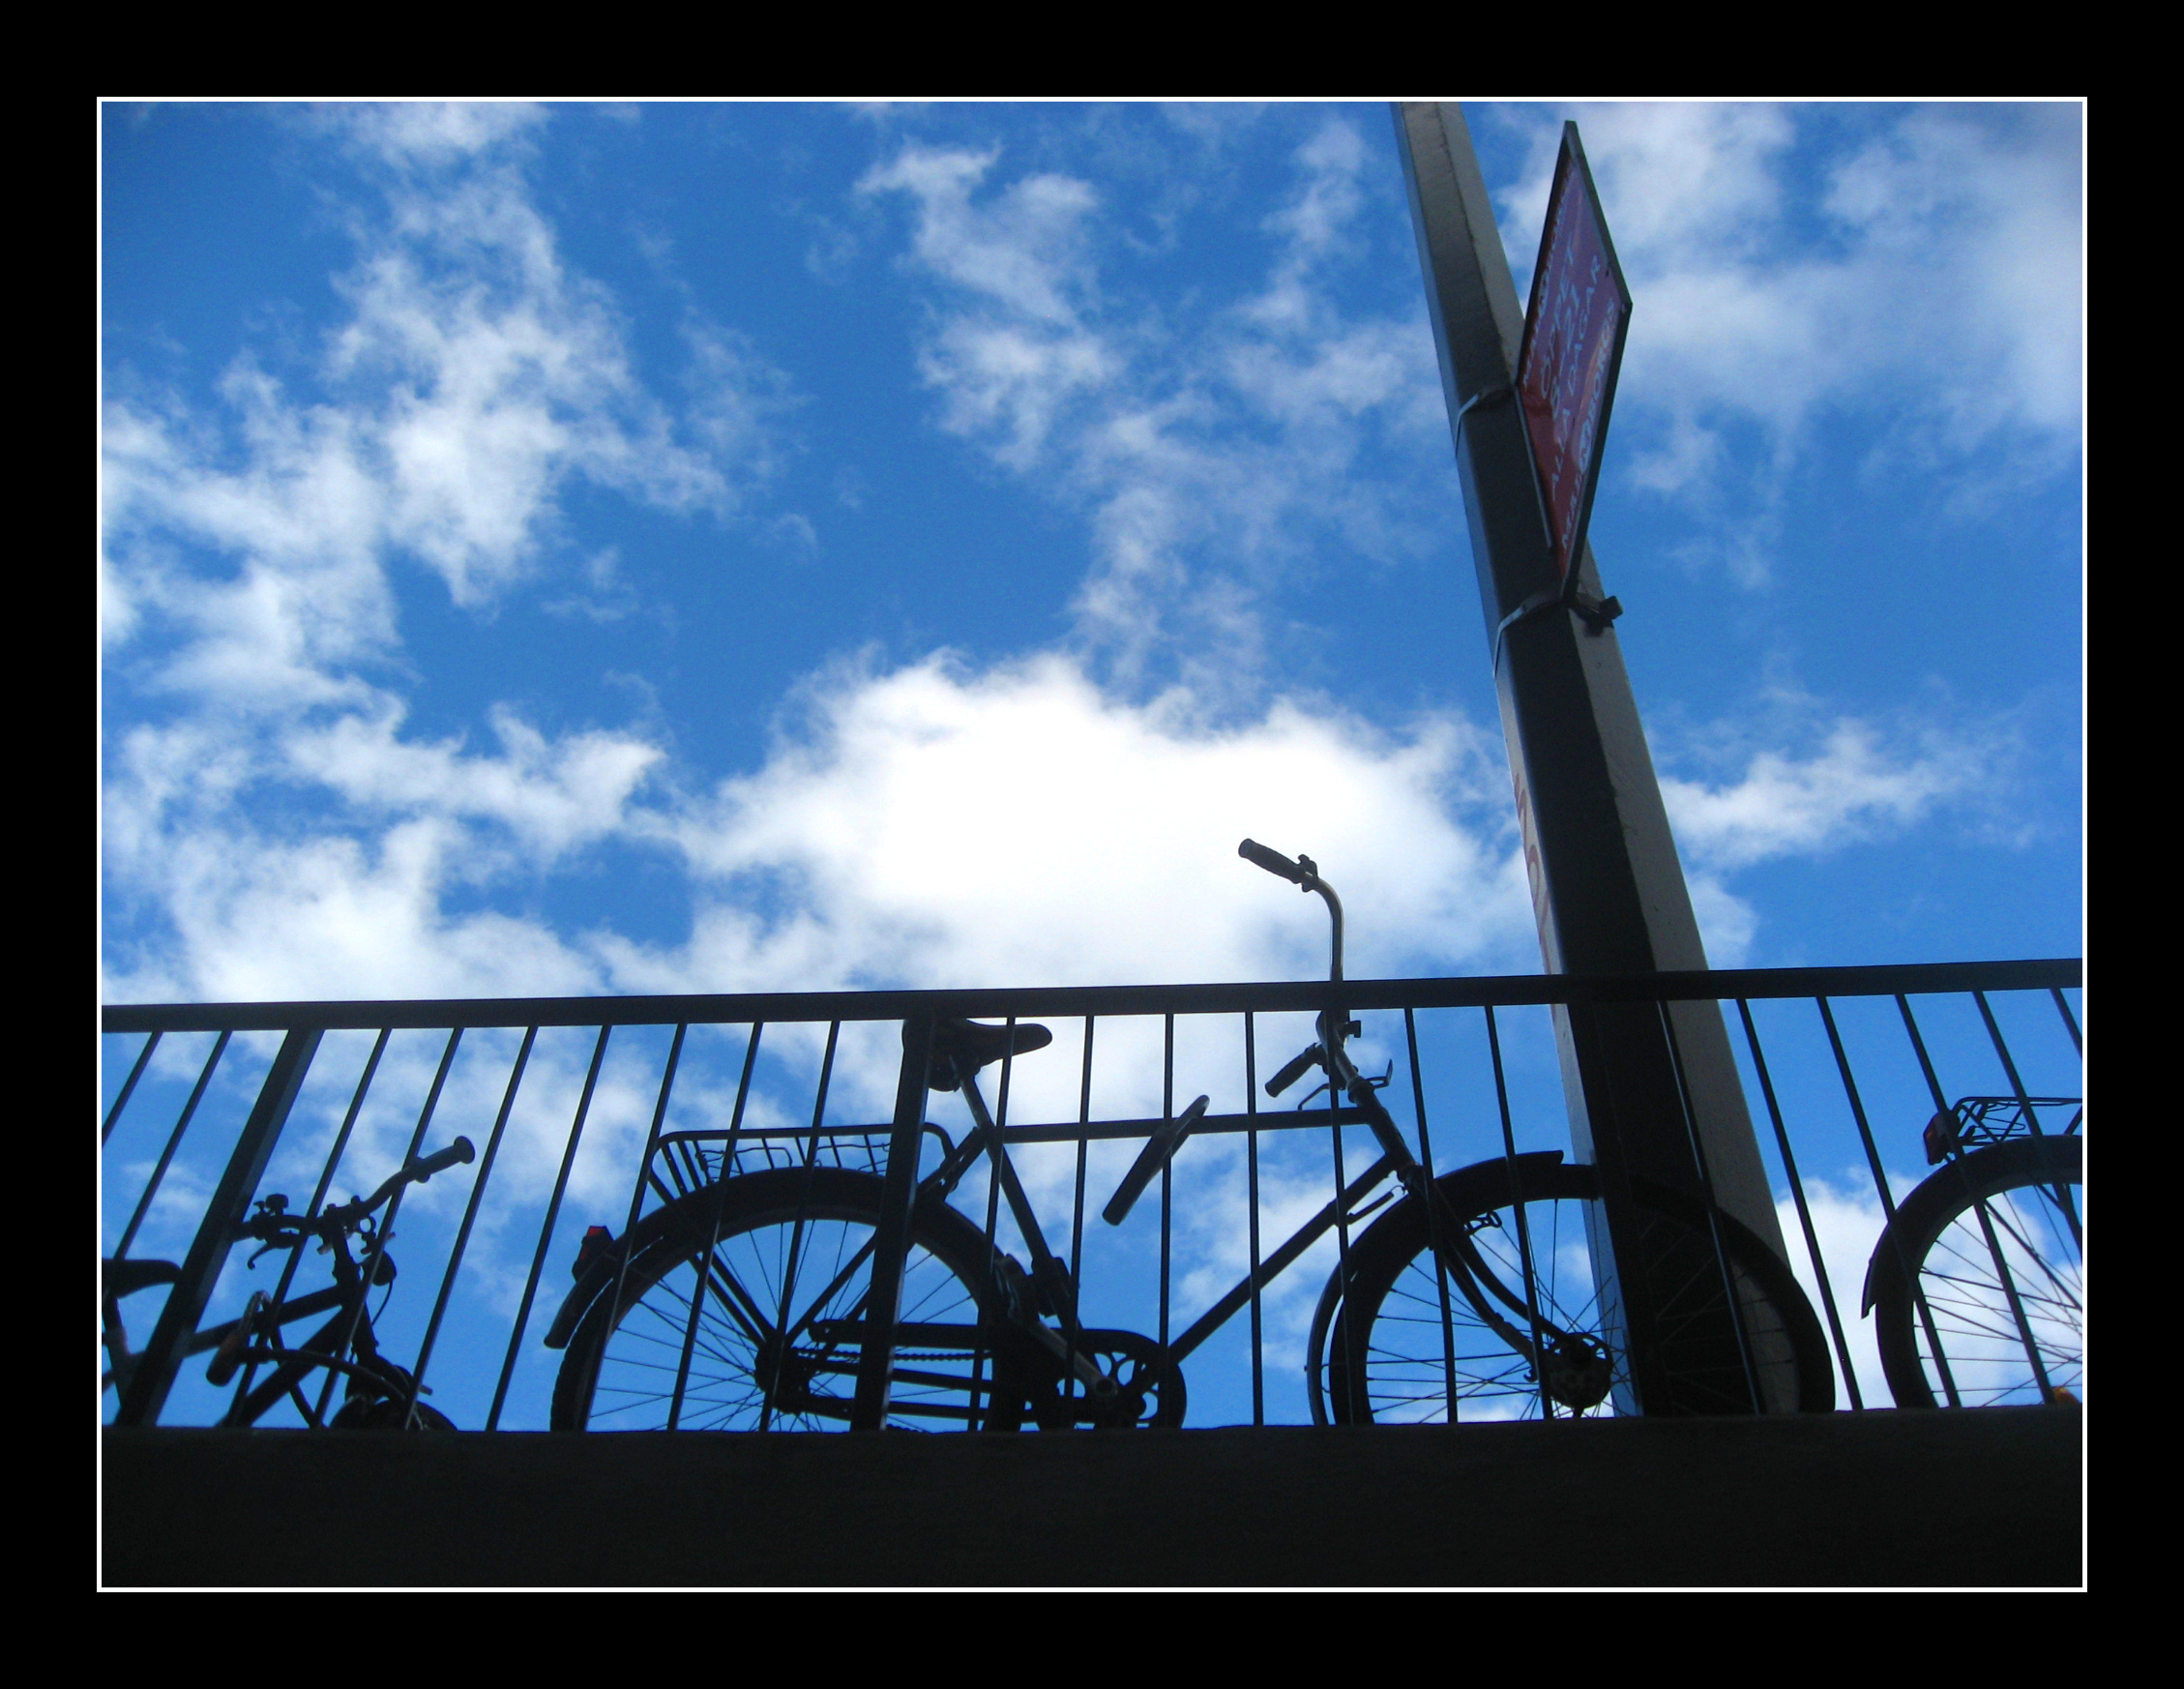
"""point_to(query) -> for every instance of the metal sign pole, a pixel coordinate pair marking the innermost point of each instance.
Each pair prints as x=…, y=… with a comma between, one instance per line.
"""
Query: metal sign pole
x=1651, y=1097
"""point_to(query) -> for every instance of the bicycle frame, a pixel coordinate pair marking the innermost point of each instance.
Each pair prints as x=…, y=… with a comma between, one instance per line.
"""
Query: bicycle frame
x=235, y=1343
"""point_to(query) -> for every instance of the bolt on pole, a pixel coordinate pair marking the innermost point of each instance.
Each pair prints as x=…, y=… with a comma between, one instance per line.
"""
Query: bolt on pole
x=1653, y=1093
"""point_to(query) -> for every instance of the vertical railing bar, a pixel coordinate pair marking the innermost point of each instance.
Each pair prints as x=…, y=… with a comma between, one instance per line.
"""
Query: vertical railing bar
x=173, y=1143
x=1084, y=1119
x=1168, y=1112
x=1987, y=1230
x=1076, y=1219
x=781, y=1321
x=2009, y=1067
x=317, y=1197
x=470, y=1217
x=993, y=1254
x=2070, y=1020
x=1926, y=1061
x=1250, y=1173
x=349, y=1120
x=1523, y=1225
x=129, y=1086
x=704, y=1273
x=1713, y=1209
x=546, y=1231
x=1000, y=1127
x=638, y=1186
x=2016, y=1303
x=1433, y=1199
x=2061, y=1193
x=145, y=1393
x=1354, y=1395
x=1857, y=1110
x=370, y=1265
x=892, y=1235
x=1804, y=1211
x=1887, y=1202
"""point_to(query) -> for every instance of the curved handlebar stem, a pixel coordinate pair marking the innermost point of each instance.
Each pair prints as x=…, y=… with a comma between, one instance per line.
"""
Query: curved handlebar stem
x=346, y=1217
x=1303, y=874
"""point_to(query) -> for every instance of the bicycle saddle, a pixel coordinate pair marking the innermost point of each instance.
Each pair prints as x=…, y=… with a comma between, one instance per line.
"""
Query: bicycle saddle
x=961, y=1048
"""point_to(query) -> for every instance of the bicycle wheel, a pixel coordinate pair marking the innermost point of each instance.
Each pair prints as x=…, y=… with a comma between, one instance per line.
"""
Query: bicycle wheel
x=792, y=1251
x=1998, y=1227
x=1395, y=1350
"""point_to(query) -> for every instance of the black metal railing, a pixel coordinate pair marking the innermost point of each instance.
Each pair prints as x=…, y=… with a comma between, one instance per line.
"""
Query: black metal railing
x=601, y=1126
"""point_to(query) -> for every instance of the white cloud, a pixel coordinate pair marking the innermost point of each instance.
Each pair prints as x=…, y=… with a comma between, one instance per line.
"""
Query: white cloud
x=474, y=380
x=554, y=795
x=941, y=828
x=416, y=134
x=1852, y=787
x=1943, y=296
x=1215, y=448
x=284, y=834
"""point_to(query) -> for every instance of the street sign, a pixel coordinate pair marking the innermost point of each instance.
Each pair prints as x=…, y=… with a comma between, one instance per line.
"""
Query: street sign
x=1573, y=331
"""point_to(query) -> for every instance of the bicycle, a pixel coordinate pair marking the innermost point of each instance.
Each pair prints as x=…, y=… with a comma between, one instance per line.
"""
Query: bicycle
x=380, y=1394
x=1976, y=1288
x=705, y=1315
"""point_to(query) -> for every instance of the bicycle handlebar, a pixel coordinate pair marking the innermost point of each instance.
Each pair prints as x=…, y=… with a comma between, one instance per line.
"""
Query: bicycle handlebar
x=1273, y=861
x=1304, y=875
x=1308, y=1057
x=346, y=1217
x=460, y=1151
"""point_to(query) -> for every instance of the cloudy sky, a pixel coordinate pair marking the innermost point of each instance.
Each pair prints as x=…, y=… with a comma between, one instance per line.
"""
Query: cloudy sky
x=710, y=547
x=607, y=550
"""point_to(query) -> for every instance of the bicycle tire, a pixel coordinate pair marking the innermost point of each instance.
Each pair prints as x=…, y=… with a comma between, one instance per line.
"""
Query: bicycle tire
x=1936, y=1243
x=625, y=1353
x=1408, y=1364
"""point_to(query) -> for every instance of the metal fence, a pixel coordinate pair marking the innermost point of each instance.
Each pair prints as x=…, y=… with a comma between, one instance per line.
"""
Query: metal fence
x=600, y=1126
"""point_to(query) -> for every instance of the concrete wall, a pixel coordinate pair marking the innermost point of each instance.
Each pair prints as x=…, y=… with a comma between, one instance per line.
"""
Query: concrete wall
x=1984, y=1498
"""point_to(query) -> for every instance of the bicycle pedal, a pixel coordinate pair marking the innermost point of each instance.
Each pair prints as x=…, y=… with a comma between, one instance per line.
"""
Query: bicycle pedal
x=1057, y=1292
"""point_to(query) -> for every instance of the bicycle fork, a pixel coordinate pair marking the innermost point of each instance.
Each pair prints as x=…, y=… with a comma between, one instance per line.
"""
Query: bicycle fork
x=1573, y=1368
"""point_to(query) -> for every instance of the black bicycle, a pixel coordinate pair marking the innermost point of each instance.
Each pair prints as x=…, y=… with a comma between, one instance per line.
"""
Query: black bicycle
x=742, y=1303
x=380, y=1395
x=1977, y=1285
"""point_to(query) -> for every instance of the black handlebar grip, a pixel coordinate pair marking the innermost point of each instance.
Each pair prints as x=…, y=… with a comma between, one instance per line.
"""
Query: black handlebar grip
x=1308, y=1057
x=1273, y=861
x=1160, y=1148
x=460, y=1150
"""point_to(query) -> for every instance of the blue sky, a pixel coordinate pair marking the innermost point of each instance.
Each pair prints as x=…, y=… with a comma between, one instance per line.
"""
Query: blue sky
x=718, y=546
x=712, y=548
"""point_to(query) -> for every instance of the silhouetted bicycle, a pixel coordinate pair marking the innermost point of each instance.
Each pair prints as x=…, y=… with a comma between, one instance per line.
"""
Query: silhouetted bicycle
x=381, y=1394
x=1977, y=1285
x=743, y=1303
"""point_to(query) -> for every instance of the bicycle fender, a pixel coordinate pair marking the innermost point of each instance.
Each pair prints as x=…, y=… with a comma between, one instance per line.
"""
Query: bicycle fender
x=599, y=1278
x=1953, y=1183
x=663, y=1226
x=582, y=1296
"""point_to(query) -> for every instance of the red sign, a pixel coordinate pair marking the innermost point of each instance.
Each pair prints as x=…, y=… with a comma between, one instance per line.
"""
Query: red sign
x=1573, y=347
